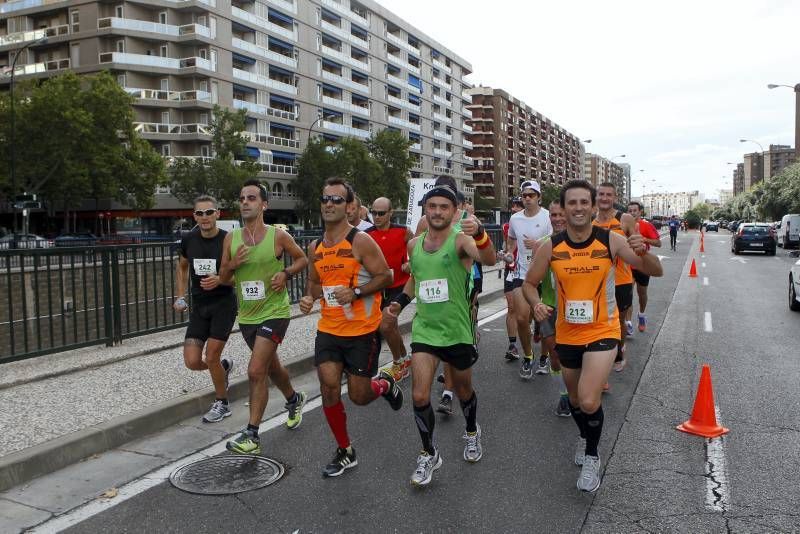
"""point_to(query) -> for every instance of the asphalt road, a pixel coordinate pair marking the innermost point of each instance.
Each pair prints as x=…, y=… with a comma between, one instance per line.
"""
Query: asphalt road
x=656, y=477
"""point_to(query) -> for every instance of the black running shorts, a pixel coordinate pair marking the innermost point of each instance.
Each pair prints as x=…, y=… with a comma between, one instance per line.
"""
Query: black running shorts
x=624, y=294
x=389, y=294
x=272, y=329
x=641, y=278
x=212, y=317
x=462, y=356
x=571, y=356
x=359, y=354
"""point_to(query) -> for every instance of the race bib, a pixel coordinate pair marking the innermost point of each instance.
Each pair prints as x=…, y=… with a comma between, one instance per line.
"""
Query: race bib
x=253, y=290
x=528, y=256
x=510, y=276
x=579, y=312
x=330, y=298
x=205, y=267
x=431, y=291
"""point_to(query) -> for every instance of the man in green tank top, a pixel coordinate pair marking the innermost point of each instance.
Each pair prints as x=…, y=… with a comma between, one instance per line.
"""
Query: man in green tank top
x=441, y=262
x=252, y=259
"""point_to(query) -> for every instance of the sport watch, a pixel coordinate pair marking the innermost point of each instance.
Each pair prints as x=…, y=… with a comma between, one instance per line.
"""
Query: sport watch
x=357, y=292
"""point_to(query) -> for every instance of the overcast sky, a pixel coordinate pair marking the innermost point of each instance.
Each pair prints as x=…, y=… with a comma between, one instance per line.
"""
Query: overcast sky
x=673, y=85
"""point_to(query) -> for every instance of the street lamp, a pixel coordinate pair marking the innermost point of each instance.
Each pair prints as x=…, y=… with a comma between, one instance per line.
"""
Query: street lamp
x=796, y=115
x=751, y=141
x=12, y=140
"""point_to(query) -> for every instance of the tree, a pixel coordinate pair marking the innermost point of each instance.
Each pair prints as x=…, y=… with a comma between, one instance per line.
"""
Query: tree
x=314, y=166
x=390, y=149
x=550, y=192
x=355, y=164
x=221, y=176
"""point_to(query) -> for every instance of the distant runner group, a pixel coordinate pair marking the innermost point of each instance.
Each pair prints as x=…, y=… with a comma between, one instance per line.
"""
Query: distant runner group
x=567, y=267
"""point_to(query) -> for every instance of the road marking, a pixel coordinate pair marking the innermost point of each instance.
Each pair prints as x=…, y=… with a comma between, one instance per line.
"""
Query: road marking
x=703, y=256
x=161, y=475
x=662, y=258
x=704, y=265
x=717, y=489
x=707, y=321
x=737, y=258
x=705, y=279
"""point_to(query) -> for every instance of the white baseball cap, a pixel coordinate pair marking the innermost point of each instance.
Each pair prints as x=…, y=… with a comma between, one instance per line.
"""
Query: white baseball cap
x=531, y=184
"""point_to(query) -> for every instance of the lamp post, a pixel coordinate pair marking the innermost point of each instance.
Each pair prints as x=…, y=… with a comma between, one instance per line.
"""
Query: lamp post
x=12, y=137
x=796, y=115
x=751, y=141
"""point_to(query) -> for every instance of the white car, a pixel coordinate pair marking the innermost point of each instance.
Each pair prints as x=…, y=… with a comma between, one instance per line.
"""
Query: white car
x=794, y=287
x=25, y=241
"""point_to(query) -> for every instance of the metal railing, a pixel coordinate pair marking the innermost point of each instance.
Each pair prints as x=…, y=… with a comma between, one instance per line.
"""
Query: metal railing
x=60, y=299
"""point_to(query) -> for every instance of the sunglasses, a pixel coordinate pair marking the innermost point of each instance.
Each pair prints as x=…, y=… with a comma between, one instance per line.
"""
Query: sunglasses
x=528, y=195
x=336, y=199
x=251, y=198
x=378, y=213
x=205, y=213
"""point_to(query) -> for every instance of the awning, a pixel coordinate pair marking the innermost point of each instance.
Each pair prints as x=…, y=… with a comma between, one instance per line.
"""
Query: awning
x=243, y=59
x=278, y=70
x=280, y=16
x=331, y=14
x=281, y=44
x=359, y=74
x=329, y=63
x=414, y=99
x=243, y=89
x=253, y=152
x=330, y=137
x=331, y=113
x=281, y=127
x=330, y=87
x=281, y=100
x=359, y=31
x=285, y=155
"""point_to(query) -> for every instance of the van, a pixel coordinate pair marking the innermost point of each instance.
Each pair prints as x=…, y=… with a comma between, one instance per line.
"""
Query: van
x=788, y=231
x=228, y=225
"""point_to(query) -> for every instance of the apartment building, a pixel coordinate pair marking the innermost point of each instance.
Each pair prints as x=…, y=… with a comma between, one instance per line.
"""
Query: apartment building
x=511, y=142
x=760, y=166
x=327, y=68
x=738, y=179
x=597, y=169
x=668, y=204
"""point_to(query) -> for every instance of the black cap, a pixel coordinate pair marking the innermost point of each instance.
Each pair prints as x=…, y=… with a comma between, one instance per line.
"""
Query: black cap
x=440, y=191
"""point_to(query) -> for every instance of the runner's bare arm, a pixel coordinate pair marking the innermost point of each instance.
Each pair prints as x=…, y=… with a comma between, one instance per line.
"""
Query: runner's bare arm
x=367, y=251
x=630, y=249
x=628, y=224
x=313, y=284
x=535, y=275
x=226, y=269
x=181, y=276
x=467, y=247
x=299, y=261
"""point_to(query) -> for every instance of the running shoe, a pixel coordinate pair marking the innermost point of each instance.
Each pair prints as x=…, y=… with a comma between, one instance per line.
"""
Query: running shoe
x=620, y=365
x=342, y=461
x=295, y=416
x=590, y=474
x=398, y=371
x=512, y=354
x=445, y=405
x=218, y=411
x=642, y=322
x=526, y=369
x=544, y=366
x=580, y=451
x=440, y=378
x=473, y=450
x=227, y=364
x=426, y=465
x=562, y=410
x=245, y=443
x=395, y=395
x=628, y=328
x=606, y=388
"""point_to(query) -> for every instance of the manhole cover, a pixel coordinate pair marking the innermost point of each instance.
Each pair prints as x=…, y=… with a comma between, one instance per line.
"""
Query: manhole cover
x=224, y=475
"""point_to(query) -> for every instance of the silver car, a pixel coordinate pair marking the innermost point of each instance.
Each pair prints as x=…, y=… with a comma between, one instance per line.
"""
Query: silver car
x=794, y=287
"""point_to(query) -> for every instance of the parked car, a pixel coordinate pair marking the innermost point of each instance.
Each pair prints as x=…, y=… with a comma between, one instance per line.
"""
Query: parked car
x=787, y=230
x=81, y=239
x=25, y=241
x=733, y=226
x=754, y=236
x=794, y=287
x=711, y=226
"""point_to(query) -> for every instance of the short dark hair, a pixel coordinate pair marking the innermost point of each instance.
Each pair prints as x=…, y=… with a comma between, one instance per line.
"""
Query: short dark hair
x=335, y=180
x=449, y=181
x=261, y=187
x=205, y=198
x=609, y=184
x=577, y=184
x=636, y=203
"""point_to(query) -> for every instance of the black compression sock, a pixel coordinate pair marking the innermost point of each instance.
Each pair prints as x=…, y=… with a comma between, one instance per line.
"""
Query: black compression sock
x=470, y=409
x=579, y=418
x=594, y=429
x=512, y=340
x=293, y=399
x=426, y=420
x=253, y=429
x=223, y=401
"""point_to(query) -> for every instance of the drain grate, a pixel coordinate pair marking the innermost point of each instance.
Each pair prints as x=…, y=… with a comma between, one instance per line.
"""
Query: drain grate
x=226, y=475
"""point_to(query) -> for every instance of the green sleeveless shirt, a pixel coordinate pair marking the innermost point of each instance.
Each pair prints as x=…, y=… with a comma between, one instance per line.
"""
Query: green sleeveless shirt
x=548, y=295
x=442, y=286
x=257, y=301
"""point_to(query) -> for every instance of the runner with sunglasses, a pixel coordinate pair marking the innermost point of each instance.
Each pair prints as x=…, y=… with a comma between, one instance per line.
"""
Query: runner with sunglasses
x=213, y=309
x=392, y=239
x=253, y=257
x=348, y=271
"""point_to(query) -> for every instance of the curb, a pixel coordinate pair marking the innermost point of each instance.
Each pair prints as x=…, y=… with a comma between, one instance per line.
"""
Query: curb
x=22, y=466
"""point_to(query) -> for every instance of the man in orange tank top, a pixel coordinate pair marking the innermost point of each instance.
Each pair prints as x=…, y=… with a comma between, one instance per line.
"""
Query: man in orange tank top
x=582, y=260
x=348, y=271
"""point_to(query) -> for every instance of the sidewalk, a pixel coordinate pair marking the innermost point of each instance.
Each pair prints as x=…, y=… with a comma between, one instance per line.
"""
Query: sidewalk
x=69, y=406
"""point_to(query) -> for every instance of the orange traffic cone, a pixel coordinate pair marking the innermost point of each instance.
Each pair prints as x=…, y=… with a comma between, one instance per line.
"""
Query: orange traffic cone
x=693, y=270
x=704, y=419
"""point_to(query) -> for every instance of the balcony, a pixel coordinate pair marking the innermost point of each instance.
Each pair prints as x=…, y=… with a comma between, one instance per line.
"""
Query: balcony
x=442, y=100
x=416, y=146
x=397, y=121
x=394, y=79
x=264, y=52
x=466, y=127
x=154, y=61
x=19, y=5
x=404, y=103
x=169, y=96
x=344, y=34
x=137, y=25
x=339, y=8
x=417, y=164
x=441, y=66
x=46, y=66
x=346, y=130
x=412, y=68
x=443, y=135
x=397, y=60
x=344, y=58
x=271, y=139
x=278, y=169
x=442, y=170
x=442, y=153
x=264, y=81
x=440, y=82
x=264, y=110
x=466, y=96
x=467, y=143
x=20, y=38
x=288, y=5
x=347, y=106
x=263, y=23
x=443, y=118
x=171, y=129
x=390, y=37
x=335, y=78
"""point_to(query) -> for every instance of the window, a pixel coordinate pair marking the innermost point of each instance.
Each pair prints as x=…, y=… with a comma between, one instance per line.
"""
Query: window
x=74, y=21
x=122, y=80
x=121, y=46
x=212, y=25
x=165, y=117
x=204, y=118
x=119, y=12
x=213, y=59
x=162, y=17
x=205, y=151
x=165, y=84
x=74, y=55
x=203, y=85
x=163, y=50
x=214, y=92
x=165, y=151
x=203, y=53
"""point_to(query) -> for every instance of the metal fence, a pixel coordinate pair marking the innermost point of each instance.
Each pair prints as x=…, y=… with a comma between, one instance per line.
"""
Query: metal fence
x=59, y=299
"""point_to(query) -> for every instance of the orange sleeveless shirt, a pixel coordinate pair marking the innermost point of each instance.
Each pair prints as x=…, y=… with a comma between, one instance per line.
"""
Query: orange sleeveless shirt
x=584, y=273
x=337, y=266
x=624, y=274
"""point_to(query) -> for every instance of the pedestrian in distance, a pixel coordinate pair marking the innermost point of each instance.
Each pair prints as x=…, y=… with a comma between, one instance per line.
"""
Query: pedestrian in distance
x=508, y=257
x=651, y=239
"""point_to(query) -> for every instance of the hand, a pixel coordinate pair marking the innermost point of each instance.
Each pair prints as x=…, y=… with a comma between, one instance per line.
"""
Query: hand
x=392, y=310
x=508, y=258
x=240, y=257
x=542, y=312
x=209, y=282
x=306, y=304
x=344, y=295
x=278, y=281
x=636, y=242
x=406, y=268
x=530, y=244
x=180, y=305
x=470, y=225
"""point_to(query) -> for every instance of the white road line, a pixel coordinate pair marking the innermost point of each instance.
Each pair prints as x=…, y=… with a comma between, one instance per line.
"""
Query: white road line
x=160, y=475
x=708, y=322
x=705, y=280
x=704, y=265
x=717, y=487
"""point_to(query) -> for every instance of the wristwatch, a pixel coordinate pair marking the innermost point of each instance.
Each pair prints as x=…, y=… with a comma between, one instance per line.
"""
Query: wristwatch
x=357, y=292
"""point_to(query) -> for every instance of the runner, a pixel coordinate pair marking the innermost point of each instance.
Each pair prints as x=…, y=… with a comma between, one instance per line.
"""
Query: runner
x=508, y=256
x=525, y=229
x=392, y=240
x=252, y=259
x=348, y=270
x=441, y=261
x=356, y=216
x=674, y=224
x=622, y=223
x=651, y=239
x=587, y=327
x=213, y=310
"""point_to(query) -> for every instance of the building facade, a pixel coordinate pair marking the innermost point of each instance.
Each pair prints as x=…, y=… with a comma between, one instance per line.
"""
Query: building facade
x=760, y=166
x=511, y=143
x=298, y=67
x=725, y=196
x=668, y=204
x=597, y=170
x=738, y=179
